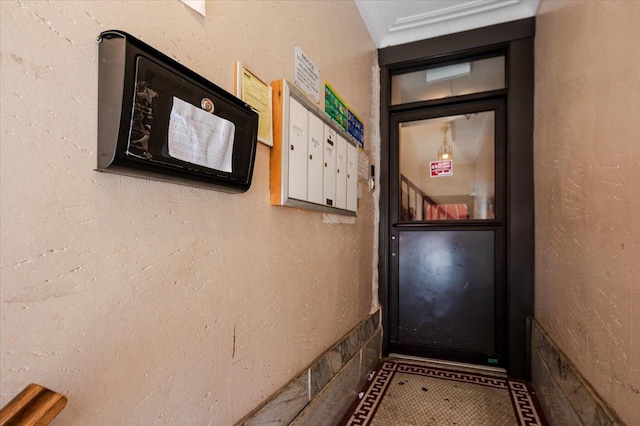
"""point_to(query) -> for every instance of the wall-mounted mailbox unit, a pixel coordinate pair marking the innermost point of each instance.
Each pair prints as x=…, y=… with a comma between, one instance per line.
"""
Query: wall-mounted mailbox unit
x=158, y=119
x=314, y=163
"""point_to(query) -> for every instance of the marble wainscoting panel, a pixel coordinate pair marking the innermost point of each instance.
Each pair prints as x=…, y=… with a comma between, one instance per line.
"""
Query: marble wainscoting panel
x=368, y=328
x=370, y=354
x=564, y=394
x=330, y=382
x=555, y=405
x=329, y=363
x=323, y=371
x=284, y=406
x=333, y=401
x=563, y=377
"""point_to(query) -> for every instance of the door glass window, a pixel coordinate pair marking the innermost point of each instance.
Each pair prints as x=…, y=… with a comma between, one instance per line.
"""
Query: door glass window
x=451, y=80
x=447, y=168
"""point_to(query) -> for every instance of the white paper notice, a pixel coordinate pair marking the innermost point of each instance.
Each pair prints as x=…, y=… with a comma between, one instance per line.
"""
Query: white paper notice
x=201, y=138
x=197, y=5
x=307, y=74
x=363, y=165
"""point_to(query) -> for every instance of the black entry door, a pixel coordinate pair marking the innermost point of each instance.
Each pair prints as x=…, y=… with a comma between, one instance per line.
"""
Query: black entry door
x=447, y=232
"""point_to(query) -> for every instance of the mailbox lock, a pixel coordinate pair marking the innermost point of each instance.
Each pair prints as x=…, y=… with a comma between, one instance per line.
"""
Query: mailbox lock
x=207, y=105
x=291, y=147
x=310, y=157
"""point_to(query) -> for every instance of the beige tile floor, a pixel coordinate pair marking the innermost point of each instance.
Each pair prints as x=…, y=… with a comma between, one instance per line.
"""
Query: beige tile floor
x=417, y=399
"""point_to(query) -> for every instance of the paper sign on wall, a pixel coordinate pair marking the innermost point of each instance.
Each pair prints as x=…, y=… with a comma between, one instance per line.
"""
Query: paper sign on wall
x=441, y=168
x=355, y=128
x=197, y=5
x=307, y=74
x=335, y=107
x=363, y=165
x=257, y=94
x=339, y=111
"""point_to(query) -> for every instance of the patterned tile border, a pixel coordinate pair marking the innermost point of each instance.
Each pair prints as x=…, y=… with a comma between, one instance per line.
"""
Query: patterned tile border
x=446, y=374
x=363, y=411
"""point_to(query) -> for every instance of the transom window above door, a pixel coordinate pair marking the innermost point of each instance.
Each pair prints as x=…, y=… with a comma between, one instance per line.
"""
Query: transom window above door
x=443, y=81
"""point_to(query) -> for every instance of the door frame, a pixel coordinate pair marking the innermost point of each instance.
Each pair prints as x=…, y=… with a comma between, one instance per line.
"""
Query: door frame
x=516, y=40
x=496, y=104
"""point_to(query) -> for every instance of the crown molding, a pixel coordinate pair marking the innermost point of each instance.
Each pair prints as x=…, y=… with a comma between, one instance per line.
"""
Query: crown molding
x=391, y=23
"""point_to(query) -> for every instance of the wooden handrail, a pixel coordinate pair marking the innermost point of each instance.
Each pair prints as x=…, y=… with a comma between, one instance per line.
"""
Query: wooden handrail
x=413, y=186
x=425, y=201
x=34, y=406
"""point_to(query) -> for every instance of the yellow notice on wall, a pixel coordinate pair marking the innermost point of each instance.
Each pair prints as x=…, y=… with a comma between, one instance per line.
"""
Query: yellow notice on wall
x=257, y=94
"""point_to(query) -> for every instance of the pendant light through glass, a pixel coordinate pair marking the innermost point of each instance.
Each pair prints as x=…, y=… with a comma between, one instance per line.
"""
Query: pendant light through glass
x=445, y=152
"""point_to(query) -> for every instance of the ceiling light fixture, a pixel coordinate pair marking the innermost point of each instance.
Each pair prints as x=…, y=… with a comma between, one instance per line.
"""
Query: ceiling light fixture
x=445, y=152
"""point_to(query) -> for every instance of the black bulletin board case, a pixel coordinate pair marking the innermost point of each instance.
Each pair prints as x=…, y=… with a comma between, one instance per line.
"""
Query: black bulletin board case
x=140, y=91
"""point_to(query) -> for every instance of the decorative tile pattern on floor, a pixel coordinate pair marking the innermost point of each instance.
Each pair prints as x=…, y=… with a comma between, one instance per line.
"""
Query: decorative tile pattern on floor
x=404, y=393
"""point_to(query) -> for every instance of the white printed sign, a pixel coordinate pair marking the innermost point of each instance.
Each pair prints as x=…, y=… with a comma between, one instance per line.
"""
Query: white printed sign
x=441, y=168
x=199, y=137
x=307, y=74
x=363, y=165
x=197, y=5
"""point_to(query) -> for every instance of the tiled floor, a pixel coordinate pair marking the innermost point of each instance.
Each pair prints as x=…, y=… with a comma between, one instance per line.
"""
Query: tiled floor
x=409, y=392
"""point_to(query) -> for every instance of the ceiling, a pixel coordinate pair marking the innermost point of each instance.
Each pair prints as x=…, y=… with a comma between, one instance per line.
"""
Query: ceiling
x=395, y=22
x=466, y=134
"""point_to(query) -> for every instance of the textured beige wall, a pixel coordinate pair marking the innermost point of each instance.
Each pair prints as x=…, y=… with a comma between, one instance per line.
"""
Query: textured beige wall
x=587, y=177
x=148, y=302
